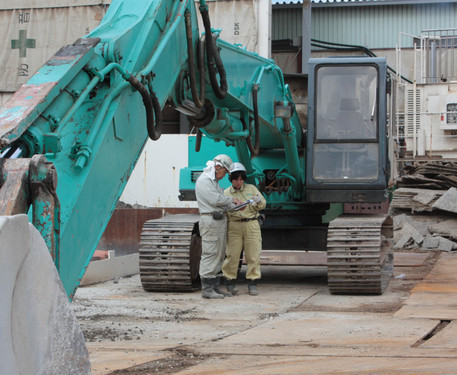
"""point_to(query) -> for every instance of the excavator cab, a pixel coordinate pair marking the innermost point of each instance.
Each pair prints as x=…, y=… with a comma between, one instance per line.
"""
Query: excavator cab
x=346, y=144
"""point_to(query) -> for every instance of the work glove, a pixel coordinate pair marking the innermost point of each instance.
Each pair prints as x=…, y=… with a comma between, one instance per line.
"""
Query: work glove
x=256, y=199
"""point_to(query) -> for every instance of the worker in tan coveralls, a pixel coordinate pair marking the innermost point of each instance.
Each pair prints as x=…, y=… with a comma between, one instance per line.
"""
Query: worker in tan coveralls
x=212, y=204
x=243, y=231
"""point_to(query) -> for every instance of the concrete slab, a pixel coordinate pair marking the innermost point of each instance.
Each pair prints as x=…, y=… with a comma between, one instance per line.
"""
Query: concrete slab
x=109, y=269
x=445, y=228
x=448, y=202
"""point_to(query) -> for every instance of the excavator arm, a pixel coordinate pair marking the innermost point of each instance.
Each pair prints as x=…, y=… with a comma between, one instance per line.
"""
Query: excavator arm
x=83, y=119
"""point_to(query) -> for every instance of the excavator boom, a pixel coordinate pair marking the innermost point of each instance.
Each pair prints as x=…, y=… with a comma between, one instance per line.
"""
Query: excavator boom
x=91, y=107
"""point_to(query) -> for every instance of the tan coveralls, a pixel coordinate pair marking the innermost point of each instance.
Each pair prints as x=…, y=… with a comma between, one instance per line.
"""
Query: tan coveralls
x=243, y=233
x=210, y=197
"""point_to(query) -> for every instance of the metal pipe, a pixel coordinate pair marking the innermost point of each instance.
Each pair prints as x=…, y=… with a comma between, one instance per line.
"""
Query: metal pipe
x=99, y=77
x=432, y=58
x=164, y=42
x=12, y=152
x=293, y=162
x=149, y=99
x=84, y=153
x=276, y=69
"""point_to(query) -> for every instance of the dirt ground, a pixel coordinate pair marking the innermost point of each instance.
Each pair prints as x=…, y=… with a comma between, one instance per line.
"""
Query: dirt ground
x=130, y=331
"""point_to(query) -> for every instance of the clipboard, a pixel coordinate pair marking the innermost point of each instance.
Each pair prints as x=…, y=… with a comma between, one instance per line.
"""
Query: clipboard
x=239, y=207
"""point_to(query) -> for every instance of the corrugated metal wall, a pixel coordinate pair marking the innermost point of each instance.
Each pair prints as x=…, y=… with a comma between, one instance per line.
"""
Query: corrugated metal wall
x=371, y=26
x=286, y=23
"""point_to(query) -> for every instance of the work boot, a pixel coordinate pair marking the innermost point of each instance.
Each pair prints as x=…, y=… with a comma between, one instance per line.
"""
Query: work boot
x=252, y=286
x=217, y=288
x=231, y=287
x=208, y=289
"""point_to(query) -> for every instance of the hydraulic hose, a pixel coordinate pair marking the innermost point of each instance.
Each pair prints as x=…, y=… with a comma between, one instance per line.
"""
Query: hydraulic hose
x=152, y=105
x=198, y=100
x=213, y=58
x=198, y=141
x=254, y=149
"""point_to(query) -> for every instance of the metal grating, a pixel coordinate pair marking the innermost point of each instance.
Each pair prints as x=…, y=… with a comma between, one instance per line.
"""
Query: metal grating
x=195, y=175
x=413, y=110
x=439, y=55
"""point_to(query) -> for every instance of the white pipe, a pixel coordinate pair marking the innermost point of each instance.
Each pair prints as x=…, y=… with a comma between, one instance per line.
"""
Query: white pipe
x=264, y=24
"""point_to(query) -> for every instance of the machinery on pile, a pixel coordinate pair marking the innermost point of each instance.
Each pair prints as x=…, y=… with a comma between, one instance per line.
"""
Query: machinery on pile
x=71, y=136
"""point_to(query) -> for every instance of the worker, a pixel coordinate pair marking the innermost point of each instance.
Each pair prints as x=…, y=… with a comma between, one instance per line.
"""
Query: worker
x=212, y=204
x=243, y=232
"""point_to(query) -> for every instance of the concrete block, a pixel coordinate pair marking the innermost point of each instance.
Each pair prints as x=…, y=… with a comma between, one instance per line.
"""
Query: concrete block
x=398, y=221
x=401, y=243
x=425, y=197
x=112, y=268
x=448, y=202
x=413, y=232
x=445, y=244
x=431, y=242
x=445, y=228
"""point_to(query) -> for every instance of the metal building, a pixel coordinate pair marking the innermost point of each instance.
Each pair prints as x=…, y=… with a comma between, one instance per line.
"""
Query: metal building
x=374, y=24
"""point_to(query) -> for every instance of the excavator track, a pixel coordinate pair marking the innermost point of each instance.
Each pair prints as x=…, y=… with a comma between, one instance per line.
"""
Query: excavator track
x=359, y=254
x=170, y=251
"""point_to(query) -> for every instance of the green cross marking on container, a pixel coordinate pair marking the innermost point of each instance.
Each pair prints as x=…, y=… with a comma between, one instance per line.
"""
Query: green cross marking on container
x=23, y=43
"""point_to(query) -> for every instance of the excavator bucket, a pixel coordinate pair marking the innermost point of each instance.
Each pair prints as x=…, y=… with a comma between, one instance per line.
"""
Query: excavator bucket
x=39, y=333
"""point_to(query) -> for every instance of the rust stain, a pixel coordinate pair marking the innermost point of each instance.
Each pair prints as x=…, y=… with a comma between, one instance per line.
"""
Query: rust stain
x=21, y=105
x=435, y=288
x=28, y=94
x=124, y=229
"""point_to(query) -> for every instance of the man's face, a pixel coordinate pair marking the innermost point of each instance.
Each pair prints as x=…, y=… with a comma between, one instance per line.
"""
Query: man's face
x=220, y=172
x=237, y=183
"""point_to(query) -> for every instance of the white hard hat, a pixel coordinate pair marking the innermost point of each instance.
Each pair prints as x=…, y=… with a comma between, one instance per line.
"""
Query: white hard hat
x=225, y=161
x=238, y=167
